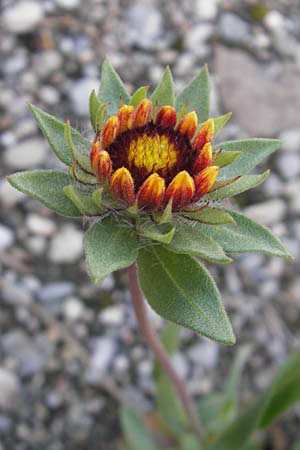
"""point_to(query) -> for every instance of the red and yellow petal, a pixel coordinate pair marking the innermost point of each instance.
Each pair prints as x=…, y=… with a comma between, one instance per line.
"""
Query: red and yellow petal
x=123, y=116
x=122, y=185
x=181, y=190
x=166, y=117
x=188, y=124
x=204, y=181
x=204, y=158
x=151, y=193
x=141, y=115
x=205, y=134
x=102, y=166
x=109, y=131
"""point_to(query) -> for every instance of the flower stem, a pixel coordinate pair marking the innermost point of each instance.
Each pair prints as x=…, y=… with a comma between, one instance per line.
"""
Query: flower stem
x=160, y=353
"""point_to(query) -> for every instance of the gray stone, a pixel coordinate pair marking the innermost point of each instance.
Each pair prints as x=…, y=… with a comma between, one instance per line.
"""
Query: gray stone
x=73, y=309
x=290, y=139
x=9, y=390
x=145, y=25
x=267, y=213
x=263, y=102
x=102, y=356
x=80, y=92
x=23, y=16
x=27, y=154
x=196, y=39
x=112, y=315
x=6, y=237
x=273, y=185
x=233, y=29
x=9, y=196
x=40, y=225
x=181, y=365
x=47, y=62
x=56, y=291
x=288, y=164
x=66, y=245
x=204, y=354
x=68, y=4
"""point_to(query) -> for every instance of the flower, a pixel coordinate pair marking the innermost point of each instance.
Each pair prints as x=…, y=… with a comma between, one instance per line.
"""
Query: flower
x=152, y=158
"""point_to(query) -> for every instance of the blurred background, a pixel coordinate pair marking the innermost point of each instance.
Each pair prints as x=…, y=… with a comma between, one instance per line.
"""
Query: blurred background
x=70, y=350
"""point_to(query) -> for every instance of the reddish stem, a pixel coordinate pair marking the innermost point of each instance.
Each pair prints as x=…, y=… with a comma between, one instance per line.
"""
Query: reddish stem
x=160, y=353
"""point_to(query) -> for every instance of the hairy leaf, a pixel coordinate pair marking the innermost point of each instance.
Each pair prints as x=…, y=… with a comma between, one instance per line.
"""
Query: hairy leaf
x=242, y=184
x=164, y=93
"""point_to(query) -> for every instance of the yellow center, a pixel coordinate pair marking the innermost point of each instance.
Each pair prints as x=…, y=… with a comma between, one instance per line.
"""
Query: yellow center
x=154, y=153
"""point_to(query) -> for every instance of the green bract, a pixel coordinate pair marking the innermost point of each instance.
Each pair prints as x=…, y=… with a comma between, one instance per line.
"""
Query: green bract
x=165, y=245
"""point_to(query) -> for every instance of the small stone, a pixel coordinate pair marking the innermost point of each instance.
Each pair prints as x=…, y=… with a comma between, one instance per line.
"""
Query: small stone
x=233, y=29
x=145, y=25
x=180, y=365
x=36, y=244
x=80, y=92
x=47, y=62
x=57, y=291
x=112, y=315
x=40, y=225
x=273, y=185
x=267, y=213
x=206, y=10
x=290, y=139
x=6, y=237
x=204, y=354
x=102, y=356
x=26, y=155
x=9, y=196
x=66, y=245
x=288, y=164
x=9, y=390
x=196, y=39
x=108, y=283
x=23, y=16
x=73, y=309
x=274, y=20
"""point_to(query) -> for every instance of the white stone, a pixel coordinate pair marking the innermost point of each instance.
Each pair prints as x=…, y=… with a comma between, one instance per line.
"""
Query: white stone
x=288, y=164
x=27, y=154
x=102, y=356
x=23, y=17
x=206, y=9
x=6, y=237
x=9, y=390
x=80, y=92
x=66, y=246
x=290, y=139
x=73, y=309
x=40, y=225
x=274, y=20
x=108, y=283
x=267, y=213
x=112, y=315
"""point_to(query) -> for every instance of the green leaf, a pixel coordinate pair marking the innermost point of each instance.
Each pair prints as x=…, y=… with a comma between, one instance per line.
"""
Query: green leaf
x=254, y=151
x=160, y=233
x=82, y=200
x=212, y=216
x=220, y=121
x=164, y=93
x=182, y=290
x=101, y=116
x=109, y=246
x=196, y=96
x=53, y=130
x=169, y=404
x=190, y=239
x=94, y=105
x=170, y=337
x=225, y=158
x=265, y=409
x=245, y=236
x=80, y=150
x=81, y=175
x=283, y=392
x=136, y=433
x=139, y=95
x=46, y=186
x=240, y=185
x=112, y=88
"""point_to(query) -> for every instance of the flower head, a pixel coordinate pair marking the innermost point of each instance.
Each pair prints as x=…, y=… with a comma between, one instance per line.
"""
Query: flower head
x=152, y=159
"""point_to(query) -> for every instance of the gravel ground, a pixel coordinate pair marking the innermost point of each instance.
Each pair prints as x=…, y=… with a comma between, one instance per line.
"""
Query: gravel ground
x=69, y=350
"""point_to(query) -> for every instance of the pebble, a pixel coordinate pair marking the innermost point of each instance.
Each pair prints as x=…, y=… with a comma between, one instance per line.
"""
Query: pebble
x=52, y=292
x=26, y=155
x=181, y=365
x=288, y=164
x=145, y=25
x=7, y=237
x=101, y=358
x=267, y=213
x=66, y=245
x=290, y=140
x=80, y=92
x=205, y=354
x=68, y=4
x=23, y=16
x=206, y=10
x=112, y=316
x=10, y=390
x=40, y=225
x=73, y=309
x=233, y=29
